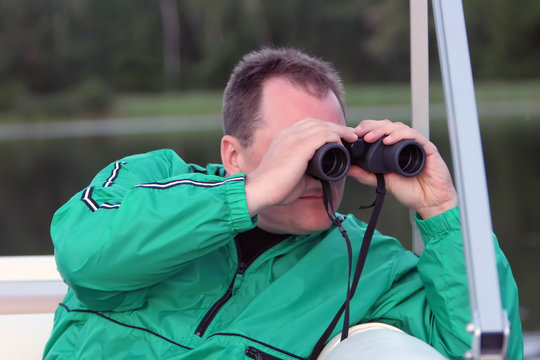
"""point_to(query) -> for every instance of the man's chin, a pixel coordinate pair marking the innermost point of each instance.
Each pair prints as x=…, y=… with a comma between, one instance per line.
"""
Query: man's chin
x=314, y=225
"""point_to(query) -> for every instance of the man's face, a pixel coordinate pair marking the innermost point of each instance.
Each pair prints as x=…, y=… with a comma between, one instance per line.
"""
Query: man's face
x=282, y=105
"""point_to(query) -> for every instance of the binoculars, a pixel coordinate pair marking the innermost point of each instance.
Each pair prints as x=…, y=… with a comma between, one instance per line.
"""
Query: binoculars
x=332, y=161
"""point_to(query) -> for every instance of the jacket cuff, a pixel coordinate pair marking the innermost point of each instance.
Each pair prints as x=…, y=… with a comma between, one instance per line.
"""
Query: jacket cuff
x=239, y=214
x=438, y=225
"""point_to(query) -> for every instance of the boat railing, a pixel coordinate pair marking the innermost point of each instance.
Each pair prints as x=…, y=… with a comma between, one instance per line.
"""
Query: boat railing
x=30, y=290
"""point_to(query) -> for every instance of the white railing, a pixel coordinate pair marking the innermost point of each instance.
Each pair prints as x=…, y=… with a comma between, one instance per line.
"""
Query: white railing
x=30, y=290
x=29, y=285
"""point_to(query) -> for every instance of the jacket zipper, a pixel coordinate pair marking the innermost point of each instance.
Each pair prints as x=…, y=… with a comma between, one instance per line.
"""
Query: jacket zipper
x=257, y=354
x=211, y=314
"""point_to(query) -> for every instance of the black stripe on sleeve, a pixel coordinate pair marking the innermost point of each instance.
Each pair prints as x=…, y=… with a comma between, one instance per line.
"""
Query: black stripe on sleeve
x=114, y=174
x=170, y=184
x=109, y=206
x=87, y=199
x=92, y=204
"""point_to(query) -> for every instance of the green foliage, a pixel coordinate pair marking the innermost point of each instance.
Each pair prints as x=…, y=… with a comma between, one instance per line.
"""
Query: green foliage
x=53, y=45
x=10, y=93
x=90, y=98
x=504, y=37
x=94, y=96
x=167, y=104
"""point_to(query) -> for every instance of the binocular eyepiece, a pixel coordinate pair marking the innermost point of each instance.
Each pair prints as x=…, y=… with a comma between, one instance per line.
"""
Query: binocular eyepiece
x=332, y=161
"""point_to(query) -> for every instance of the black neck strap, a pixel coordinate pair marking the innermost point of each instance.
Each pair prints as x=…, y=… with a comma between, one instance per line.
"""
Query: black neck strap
x=351, y=287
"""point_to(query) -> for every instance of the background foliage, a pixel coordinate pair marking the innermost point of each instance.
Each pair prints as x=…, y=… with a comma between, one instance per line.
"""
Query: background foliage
x=55, y=45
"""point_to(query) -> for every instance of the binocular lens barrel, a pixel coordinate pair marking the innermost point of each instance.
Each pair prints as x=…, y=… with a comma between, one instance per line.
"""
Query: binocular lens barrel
x=332, y=161
x=411, y=159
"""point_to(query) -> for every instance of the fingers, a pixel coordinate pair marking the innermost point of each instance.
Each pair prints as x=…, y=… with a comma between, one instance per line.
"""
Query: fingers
x=372, y=130
x=429, y=193
x=306, y=136
x=323, y=130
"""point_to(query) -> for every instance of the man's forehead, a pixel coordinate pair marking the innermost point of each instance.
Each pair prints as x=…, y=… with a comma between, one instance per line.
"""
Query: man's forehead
x=285, y=103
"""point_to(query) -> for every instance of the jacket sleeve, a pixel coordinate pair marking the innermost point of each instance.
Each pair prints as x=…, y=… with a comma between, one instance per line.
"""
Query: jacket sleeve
x=437, y=308
x=140, y=220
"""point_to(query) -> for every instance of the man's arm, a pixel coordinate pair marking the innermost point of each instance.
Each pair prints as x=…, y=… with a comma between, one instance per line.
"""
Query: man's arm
x=435, y=308
x=443, y=271
x=138, y=222
x=441, y=318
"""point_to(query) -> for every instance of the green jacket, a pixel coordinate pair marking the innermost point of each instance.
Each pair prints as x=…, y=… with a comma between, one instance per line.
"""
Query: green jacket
x=149, y=255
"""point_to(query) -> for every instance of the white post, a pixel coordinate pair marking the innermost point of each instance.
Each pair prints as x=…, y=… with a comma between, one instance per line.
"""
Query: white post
x=490, y=325
x=419, y=87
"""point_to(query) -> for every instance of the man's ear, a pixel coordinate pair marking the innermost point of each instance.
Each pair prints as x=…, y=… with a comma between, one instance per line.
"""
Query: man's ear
x=231, y=152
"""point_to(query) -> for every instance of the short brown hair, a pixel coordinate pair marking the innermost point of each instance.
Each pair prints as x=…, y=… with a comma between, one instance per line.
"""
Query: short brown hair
x=242, y=96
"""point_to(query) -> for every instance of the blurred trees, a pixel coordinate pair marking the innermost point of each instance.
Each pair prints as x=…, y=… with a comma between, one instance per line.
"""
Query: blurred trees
x=150, y=45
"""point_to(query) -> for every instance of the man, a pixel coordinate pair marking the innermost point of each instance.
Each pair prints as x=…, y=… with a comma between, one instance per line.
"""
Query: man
x=170, y=260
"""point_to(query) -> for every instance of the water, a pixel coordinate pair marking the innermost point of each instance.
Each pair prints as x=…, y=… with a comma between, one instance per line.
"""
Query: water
x=39, y=175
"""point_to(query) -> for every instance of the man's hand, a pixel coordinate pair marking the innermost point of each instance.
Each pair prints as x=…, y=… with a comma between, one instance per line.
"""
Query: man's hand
x=429, y=193
x=280, y=176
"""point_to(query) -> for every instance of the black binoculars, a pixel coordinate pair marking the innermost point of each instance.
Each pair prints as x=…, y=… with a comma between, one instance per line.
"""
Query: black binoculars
x=332, y=161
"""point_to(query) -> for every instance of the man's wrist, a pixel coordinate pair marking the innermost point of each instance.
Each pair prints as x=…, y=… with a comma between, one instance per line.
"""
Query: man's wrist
x=254, y=197
x=429, y=212
x=440, y=224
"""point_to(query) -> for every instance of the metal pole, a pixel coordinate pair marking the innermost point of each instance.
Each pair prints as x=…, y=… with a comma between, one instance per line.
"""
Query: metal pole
x=490, y=325
x=419, y=87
